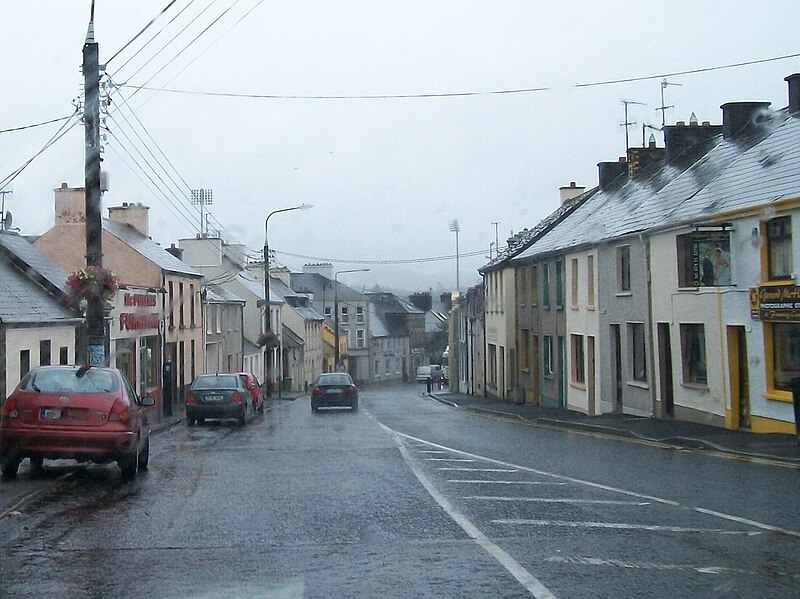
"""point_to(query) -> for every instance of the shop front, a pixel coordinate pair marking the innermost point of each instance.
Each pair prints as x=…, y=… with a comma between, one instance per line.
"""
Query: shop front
x=137, y=340
x=777, y=307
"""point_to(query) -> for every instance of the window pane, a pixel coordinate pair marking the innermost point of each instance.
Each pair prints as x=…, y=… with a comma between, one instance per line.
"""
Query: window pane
x=786, y=352
x=639, y=359
x=779, y=247
x=693, y=353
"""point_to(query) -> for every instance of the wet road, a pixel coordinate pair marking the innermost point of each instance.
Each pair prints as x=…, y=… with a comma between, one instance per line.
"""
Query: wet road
x=405, y=498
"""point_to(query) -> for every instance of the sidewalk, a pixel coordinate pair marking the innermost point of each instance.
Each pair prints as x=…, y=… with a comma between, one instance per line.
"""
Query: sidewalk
x=684, y=434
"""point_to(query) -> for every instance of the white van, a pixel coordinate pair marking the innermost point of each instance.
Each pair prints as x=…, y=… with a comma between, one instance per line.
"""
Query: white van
x=434, y=371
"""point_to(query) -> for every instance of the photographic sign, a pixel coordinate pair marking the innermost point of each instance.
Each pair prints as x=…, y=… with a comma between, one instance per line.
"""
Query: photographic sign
x=779, y=302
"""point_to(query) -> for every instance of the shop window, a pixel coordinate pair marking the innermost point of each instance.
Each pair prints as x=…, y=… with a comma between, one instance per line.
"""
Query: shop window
x=578, y=359
x=624, y=268
x=547, y=356
x=693, y=354
x=638, y=353
x=779, y=248
x=785, y=354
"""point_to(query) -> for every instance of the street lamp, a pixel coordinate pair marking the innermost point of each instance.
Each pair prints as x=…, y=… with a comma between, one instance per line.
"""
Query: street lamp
x=455, y=229
x=336, y=312
x=268, y=315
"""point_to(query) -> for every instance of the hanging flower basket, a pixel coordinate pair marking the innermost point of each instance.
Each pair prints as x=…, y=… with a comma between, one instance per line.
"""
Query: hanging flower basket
x=91, y=281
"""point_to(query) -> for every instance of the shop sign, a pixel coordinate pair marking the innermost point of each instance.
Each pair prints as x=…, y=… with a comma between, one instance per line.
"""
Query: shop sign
x=779, y=302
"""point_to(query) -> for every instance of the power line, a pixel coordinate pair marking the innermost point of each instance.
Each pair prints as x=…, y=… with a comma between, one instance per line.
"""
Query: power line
x=397, y=261
x=23, y=127
x=526, y=90
x=145, y=28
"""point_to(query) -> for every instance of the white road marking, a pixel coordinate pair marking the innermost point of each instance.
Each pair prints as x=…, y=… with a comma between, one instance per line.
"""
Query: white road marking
x=449, y=460
x=746, y=521
x=594, y=485
x=598, y=561
x=621, y=526
x=504, y=482
x=432, y=451
x=559, y=500
x=454, y=468
x=517, y=570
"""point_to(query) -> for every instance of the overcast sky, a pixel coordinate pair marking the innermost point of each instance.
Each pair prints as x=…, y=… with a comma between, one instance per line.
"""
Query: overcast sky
x=385, y=175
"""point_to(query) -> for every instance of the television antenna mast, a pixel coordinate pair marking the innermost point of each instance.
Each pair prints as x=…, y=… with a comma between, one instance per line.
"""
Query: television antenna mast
x=663, y=107
x=628, y=123
x=5, y=217
x=202, y=198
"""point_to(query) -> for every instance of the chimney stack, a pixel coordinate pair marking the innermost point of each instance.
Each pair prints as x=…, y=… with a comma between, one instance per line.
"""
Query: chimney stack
x=738, y=115
x=682, y=144
x=611, y=172
x=794, y=93
x=569, y=192
x=137, y=215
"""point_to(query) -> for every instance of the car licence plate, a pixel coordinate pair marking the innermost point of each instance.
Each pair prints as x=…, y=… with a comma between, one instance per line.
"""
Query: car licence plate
x=49, y=414
x=334, y=391
x=214, y=398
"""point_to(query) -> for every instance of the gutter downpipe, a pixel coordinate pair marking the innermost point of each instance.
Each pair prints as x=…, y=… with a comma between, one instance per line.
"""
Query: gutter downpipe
x=649, y=328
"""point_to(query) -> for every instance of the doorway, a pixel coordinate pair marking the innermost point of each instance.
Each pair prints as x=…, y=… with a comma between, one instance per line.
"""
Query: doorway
x=616, y=349
x=665, y=373
x=590, y=374
x=739, y=377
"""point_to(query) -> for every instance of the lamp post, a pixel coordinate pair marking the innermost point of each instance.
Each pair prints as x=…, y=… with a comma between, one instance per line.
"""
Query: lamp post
x=268, y=313
x=455, y=229
x=336, y=312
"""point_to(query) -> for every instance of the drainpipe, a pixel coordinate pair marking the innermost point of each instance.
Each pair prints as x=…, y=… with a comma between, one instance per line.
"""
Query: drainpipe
x=648, y=330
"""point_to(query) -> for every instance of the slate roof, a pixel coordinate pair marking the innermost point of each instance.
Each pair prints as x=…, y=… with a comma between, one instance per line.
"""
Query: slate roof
x=256, y=287
x=148, y=248
x=319, y=286
x=377, y=326
x=290, y=338
x=22, y=298
x=220, y=295
x=755, y=168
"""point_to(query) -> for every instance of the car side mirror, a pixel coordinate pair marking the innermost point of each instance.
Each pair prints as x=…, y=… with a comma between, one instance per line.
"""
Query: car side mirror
x=148, y=402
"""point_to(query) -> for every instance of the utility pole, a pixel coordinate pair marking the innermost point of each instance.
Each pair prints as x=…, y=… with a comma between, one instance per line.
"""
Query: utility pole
x=95, y=322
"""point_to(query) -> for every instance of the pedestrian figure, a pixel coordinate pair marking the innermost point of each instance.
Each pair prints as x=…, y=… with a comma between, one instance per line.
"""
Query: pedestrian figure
x=429, y=383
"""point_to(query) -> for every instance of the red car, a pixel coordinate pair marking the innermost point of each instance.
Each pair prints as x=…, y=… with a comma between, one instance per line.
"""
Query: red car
x=87, y=413
x=254, y=387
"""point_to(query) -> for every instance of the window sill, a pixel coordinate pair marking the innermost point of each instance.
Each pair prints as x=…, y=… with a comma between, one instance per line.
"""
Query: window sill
x=702, y=387
x=591, y=308
x=775, y=395
x=639, y=384
x=624, y=294
x=580, y=386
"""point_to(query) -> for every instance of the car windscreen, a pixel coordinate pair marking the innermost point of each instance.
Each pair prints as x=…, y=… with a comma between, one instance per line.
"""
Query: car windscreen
x=72, y=380
x=335, y=379
x=216, y=382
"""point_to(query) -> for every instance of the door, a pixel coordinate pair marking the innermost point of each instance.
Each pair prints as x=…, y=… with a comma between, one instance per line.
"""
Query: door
x=562, y=375
x=740, y=377
x=590, y=374
x=665, y=374
x=616, y=349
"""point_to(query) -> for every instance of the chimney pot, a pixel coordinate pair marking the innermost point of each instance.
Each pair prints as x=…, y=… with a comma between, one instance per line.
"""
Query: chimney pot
x=64, y=186
x=681, y=123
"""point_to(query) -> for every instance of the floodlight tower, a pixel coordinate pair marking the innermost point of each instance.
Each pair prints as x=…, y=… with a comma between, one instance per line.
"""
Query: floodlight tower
x=455, y=228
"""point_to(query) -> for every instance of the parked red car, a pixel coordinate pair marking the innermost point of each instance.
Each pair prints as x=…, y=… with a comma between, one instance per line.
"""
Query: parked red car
x=256, y=392
x=86, y=413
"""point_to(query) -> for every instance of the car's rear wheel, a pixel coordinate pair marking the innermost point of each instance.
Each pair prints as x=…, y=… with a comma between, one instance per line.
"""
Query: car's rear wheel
x=144, y=456
x=190, y=421
x=354, y=406
x=129, y=464
x=243, y=414
x=9, y=465
x=314, y=408
x=37, y=464
x=261, y=407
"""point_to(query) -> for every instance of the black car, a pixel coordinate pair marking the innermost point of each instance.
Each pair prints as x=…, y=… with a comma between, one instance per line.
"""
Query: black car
x=222, y=396
x=334, y=389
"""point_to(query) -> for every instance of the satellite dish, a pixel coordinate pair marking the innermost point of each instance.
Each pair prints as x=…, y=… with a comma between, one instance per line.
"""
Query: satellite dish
x=7, y=220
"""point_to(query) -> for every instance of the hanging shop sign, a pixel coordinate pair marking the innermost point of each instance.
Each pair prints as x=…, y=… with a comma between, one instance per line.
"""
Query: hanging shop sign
x=778, y=302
